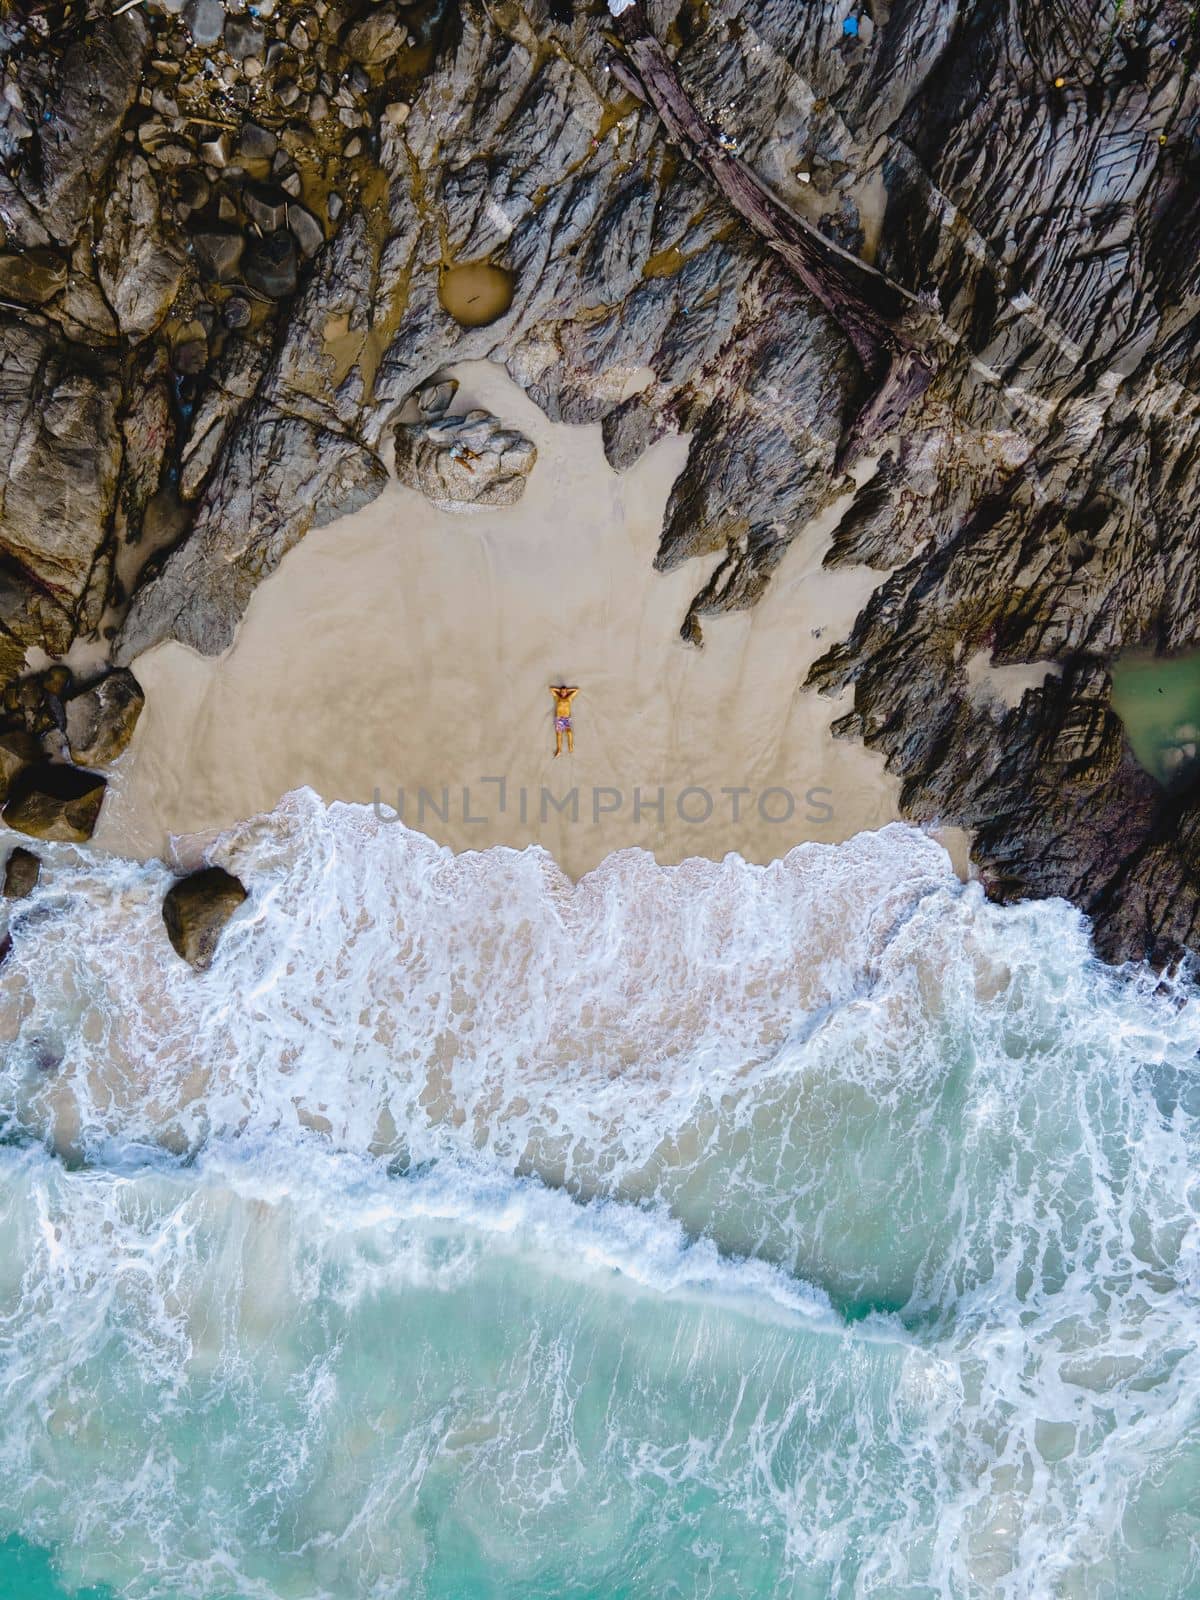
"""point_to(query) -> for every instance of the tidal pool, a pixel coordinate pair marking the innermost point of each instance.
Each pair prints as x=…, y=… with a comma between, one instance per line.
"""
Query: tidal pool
x=1158, y=700
x=475, y=292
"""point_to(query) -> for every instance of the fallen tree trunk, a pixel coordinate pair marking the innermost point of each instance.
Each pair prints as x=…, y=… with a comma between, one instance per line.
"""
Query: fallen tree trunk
x=876, y=314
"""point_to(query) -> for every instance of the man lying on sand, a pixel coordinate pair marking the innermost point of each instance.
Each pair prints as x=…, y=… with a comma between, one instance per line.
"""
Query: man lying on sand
x=562, y=718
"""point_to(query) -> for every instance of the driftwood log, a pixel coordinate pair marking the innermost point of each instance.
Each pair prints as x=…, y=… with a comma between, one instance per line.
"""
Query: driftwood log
x=888, y=327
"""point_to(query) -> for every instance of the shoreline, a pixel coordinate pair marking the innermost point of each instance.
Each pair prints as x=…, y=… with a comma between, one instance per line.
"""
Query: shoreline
x=409, y=649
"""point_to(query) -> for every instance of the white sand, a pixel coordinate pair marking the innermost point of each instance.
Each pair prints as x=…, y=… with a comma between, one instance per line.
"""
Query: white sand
x=407, y=647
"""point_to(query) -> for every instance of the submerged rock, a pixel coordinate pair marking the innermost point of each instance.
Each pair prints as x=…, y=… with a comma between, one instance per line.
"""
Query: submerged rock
x=195, y=911
x=21, y=873
x=270, y=264
x=473, y=460
x=49, y=801
x=218, y=248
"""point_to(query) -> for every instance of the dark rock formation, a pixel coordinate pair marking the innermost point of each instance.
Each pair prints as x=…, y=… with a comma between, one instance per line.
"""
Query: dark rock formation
x=21, y=873
x=224, y=285
x=18, y=750
x=195, y=911
x=60, y=461
x=49, y=801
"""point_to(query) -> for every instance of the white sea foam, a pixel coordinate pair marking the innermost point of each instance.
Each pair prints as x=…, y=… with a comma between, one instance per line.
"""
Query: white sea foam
x=808, y=1229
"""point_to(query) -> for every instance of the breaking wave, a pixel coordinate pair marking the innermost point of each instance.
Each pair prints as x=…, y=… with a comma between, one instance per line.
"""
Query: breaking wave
x=801, y=1230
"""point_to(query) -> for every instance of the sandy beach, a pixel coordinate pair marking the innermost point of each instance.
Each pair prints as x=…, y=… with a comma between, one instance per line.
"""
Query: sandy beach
x=403, y=655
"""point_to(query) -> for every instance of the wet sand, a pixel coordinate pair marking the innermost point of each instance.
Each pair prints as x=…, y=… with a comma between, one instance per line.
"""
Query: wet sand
x=407, y=649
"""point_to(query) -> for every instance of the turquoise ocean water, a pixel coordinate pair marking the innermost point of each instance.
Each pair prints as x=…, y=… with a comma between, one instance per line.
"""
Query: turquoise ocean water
x=811, y=1230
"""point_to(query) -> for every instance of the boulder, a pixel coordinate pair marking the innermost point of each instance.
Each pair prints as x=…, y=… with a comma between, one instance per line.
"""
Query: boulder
x=195, y=911
x=21, y=873
x=376, y=39
x=472, y=460
x=256, y=143
x=101, y=720
x=270, y=265
x=266, y=205
x=218, y=247
x=18, y=750
x=305, y=229
x=206, y=19
x=35, y=702
x=55, y=802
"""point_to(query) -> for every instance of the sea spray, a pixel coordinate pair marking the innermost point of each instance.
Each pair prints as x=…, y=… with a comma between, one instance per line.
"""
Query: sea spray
x=815, y=1229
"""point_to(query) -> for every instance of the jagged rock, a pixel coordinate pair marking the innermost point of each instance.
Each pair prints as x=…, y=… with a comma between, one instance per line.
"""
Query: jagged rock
x=139, y=271
x=464, y=461
x=266, y=205
x=100, y=720
x=21, y=873
x=280, y=476
x=55, y=802
x=82, y=312
x=234, y=380
x=89, y=91
x=60, y=455
x=1039, y=504
x=33, y=276
x=196, y=910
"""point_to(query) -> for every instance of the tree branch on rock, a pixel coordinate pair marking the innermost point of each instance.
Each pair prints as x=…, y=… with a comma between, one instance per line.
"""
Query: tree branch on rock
x=893, y=331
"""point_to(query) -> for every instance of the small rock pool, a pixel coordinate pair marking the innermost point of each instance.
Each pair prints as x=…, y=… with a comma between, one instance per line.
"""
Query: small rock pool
x=1158, y=700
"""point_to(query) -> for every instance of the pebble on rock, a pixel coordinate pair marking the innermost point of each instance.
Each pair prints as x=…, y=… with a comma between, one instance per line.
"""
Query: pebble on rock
x=206, y=20
x=305, y=228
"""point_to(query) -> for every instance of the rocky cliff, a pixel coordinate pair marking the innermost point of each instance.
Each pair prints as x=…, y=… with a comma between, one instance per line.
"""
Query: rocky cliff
x=957, y=241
